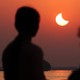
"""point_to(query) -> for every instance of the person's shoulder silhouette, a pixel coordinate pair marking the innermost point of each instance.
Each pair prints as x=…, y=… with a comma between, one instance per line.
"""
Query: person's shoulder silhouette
x=75, y=75
x=46, y=66
x=23, y=60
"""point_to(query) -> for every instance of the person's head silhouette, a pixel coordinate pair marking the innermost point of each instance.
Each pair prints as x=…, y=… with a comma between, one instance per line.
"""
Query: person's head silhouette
x=27, y=21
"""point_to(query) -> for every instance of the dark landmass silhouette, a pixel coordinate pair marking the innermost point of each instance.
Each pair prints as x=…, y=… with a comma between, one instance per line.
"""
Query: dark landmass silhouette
x=64, y=68
x=1, y=69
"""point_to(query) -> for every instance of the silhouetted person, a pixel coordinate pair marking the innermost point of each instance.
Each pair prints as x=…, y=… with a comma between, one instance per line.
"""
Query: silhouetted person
x=78, y=32
x=23, y=60
x=46, y=66
x=75, y=75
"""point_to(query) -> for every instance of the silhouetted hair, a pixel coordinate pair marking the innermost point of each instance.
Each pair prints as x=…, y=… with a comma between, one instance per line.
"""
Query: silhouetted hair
x=27, y=21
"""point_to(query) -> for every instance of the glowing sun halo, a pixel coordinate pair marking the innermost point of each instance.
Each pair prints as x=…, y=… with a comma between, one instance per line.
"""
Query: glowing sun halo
x=60, y=21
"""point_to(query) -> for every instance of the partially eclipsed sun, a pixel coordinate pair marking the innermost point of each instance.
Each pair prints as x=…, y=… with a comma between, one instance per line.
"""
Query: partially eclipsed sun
x=60, y=21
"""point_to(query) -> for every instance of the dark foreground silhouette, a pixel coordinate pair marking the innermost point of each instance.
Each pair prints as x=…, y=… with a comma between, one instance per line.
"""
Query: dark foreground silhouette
x=23, y=60
x=46, y=66
x=75, y=75
x=78, y=32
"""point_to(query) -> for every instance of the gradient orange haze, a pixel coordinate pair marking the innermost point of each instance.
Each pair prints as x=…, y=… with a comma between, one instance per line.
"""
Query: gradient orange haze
x=60, y=44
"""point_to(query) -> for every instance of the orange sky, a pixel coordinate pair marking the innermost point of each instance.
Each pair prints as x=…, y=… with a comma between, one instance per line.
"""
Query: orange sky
x=60, y=44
